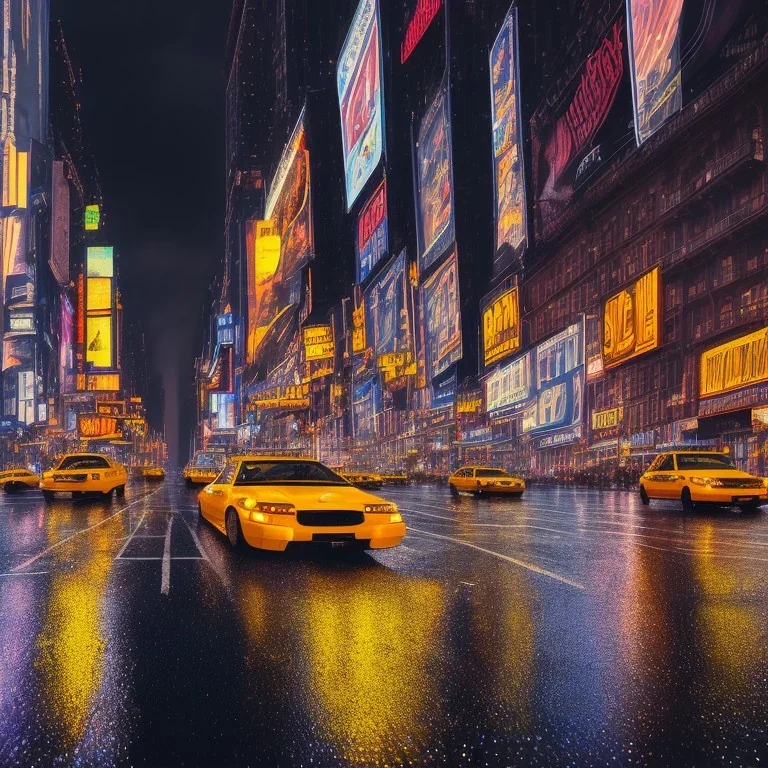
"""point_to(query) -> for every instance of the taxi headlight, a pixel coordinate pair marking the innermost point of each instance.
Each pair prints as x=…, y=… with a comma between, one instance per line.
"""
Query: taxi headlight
x=265, y=508
x=381, y=509
x=247, y=503
x=258, y=517
x=396, y=517
x=47, y=475
x=710, y=481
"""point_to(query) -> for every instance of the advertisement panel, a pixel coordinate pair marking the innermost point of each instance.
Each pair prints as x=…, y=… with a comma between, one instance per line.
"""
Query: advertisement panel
x=501, y=326
x=263, y=247
x=423, y=15
x=442, y=317
x=444, y=391
x=60, y=202
x=387, y=306
x=95, y=427
x=101, y=261
x=318, y=342
x=434, y=181
x=99, y=341
x=559, y=381
x=18, y=271
x=372, y=241
x=575, y=133
x=99, y=294
x=282, y=397
x=92, y=218
x=366, y=398
x=735, y=364
x=509, y=187
x=225, y=417
x=654, y=56
x=358, y=83
x=510, y=387
x=67, y=345
x=289, y=205
x=359, y=335
x=632, y=320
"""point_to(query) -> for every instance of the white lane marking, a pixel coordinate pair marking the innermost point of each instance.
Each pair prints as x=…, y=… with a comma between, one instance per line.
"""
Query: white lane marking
x=28, y=573
x=217, y=569
x=165, y=581
x=131, y=557
x=133, y=533
x=197, y=541
x=507, y=558
x=60, y=543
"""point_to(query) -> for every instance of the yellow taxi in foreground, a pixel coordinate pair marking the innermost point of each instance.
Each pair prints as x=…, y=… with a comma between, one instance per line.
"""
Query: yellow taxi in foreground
x=81, y=473
x=269, y=502
x=19, y=479
x=701, y=477
x=204, y=468
x=485, y=481
x=369, y=480
x=153, y=473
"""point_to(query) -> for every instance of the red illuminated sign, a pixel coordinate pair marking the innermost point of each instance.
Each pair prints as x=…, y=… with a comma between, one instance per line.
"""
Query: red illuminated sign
x=373, y=215
x=425, y=12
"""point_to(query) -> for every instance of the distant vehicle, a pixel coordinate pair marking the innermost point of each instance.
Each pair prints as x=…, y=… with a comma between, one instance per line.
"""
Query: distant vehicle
x=82, y=473
x=204, y=468
x=488, y=481
x=701, y=477
x=153, y=473
x=369, y=480
x=14, y=480
x=271, y=502
x=395, y=478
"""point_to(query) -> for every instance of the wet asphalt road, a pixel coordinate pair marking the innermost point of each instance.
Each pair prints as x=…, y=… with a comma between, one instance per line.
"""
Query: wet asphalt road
x=573, y=627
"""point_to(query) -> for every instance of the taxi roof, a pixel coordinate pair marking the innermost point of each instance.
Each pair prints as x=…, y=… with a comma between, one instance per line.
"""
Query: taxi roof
x=258, y=457
x=481, y=466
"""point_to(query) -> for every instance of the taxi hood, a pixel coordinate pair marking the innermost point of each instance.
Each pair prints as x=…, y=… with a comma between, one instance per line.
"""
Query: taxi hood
x=311, y=496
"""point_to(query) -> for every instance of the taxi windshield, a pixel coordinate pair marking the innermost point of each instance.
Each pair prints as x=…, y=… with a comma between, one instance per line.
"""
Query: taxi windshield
x=286, y=472
x=83, y=462
x=491, y=473
x=215, y=460
x=703, y=461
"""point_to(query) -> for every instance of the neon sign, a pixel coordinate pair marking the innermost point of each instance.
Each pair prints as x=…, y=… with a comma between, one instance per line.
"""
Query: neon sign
x=423, y=16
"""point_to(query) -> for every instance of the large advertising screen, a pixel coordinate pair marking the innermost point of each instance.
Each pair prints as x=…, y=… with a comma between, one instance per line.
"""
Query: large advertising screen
x=442, y=317
x=510, y=387
x=99, y=341
x=575, y=133
x=358, y=82
x=289, y=205
x=366, y=398
x=263, y=254
x=67, y=346
x=509, y=186
x=101, y=261
x=318, y=342
x=735, y=364
x=95, y=427
x=99, y=294
x=372, y=241
x=434, y=181
x=501, y=326
x=654, y=55
x=631, y=320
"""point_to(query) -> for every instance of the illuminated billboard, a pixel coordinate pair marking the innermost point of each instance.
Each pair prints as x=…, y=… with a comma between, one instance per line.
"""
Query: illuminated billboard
x=95, y=427
x=263, y=249
x=654, y=56
x=735, y=364
x=318, y=342
x=366, y=397
x=442, y=317
x=101, y=261
x=510, y=387
x=631, y=320
x=282, y=397
x=99, y=294
x=434, y=181
x=92, y=218
x=359, y=335
x=289, y=205
x=558, y=378
x=423, y=15
x=574, y=133
x=99, y=341
x=358, y=82
x=18, y=270
x=372, y=241
x=501, y=326
x=67, y=345
x=509, y=186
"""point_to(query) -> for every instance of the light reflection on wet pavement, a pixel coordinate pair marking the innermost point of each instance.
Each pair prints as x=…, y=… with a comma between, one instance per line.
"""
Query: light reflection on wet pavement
x=570, y=627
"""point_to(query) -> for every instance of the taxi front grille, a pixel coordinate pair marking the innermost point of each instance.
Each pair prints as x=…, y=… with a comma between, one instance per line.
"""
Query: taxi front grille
x=329, y=518
x=738, y=482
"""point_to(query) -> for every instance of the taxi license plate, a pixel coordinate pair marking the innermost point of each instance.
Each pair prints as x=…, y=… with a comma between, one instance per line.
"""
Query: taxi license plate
x=743, y=498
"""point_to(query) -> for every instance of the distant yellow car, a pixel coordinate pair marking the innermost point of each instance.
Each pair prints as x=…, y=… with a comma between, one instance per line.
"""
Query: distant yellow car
x=489, y=481
x=204, y=468
x=13, y=480
x=81, y=473
x=701, y=477
x=269, y=502
x=368, y=480
x=153, y=473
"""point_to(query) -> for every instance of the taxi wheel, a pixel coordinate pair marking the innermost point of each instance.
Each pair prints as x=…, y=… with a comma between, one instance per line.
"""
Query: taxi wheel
x=10, y=488
x=120, y=491
x=687, y=502
x=644, y=497
x=107, y=494
x=48, y=496
x=750, y=509
x=454, y=491
x=234, y=530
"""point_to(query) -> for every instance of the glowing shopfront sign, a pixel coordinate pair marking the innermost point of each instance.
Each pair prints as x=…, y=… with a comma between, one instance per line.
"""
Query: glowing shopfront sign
x=736, y=364
x=318, y=342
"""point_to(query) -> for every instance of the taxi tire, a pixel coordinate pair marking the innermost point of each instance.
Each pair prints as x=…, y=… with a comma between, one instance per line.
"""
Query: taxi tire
x=48, y=496
x=234, y=529
x=454, y=490
x=10, y=488
x=687, y=501
x=645, y=499
x=750, y=509
x=120, y=491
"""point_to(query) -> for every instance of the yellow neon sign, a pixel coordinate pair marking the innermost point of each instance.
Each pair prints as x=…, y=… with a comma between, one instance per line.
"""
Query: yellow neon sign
x=736, y=364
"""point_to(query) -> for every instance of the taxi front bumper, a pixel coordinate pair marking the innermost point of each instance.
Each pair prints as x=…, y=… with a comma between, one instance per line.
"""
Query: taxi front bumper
x=198, y=479
x=716, y=495
x=277, y=536
x=102, y=485
x=502, y=490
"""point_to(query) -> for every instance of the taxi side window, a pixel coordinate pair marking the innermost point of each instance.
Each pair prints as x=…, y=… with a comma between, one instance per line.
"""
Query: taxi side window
x=227, y=474
x=667, y=465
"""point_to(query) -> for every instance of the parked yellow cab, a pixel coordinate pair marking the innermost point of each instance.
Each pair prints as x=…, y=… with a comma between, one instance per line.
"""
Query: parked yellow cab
x=269, y=502
x=204, y=468
x=701, y=477
x=369, y=480
x=80, y=473
x=153, y=473
x=485, y=480
x=19, y=479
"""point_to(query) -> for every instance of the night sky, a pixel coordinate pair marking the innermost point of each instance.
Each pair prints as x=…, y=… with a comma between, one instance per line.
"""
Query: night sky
x=153, y=109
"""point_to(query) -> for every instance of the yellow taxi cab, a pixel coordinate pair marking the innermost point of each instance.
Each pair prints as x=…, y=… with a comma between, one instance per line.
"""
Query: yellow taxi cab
x=19, y=479
x=701, y=477
x=485, y=481
x=269, y=502
x=81, y=473
x=369, y=480
x=153, y=473
x=204, y=468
